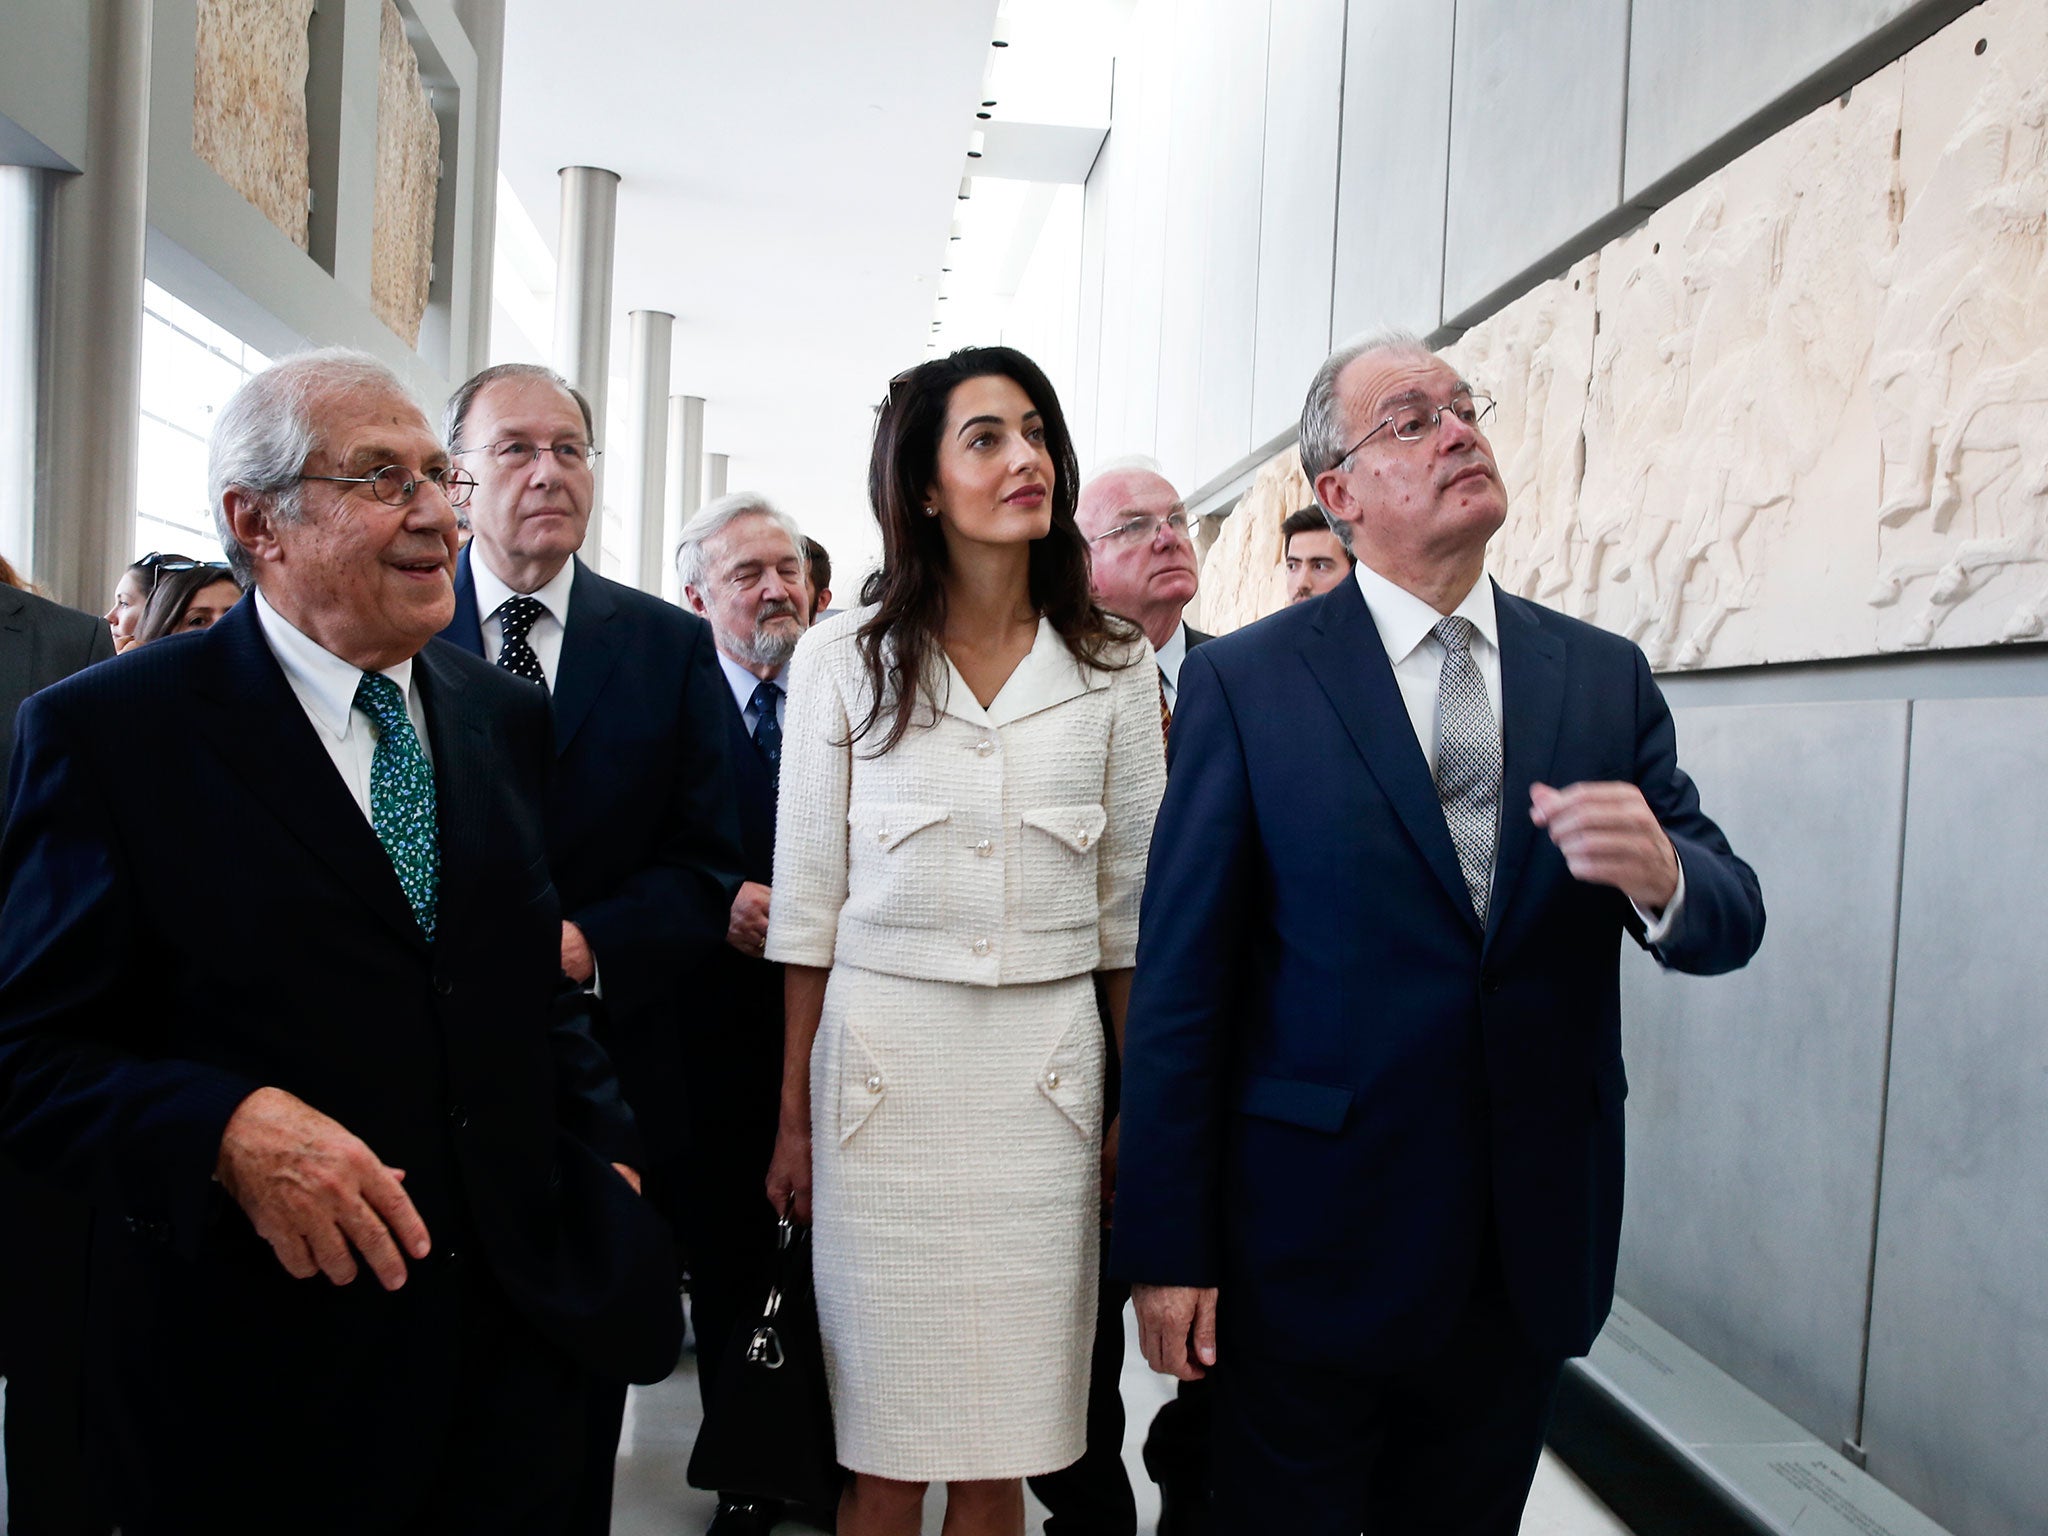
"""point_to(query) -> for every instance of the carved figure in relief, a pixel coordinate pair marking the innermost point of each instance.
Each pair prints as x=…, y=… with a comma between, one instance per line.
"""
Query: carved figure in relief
x=1980, y=446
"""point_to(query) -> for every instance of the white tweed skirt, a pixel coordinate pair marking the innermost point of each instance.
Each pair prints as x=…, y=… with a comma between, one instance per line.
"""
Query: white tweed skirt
x=956, y=1136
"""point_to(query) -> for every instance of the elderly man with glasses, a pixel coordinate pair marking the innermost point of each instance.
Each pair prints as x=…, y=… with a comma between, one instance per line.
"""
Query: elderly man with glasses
x=1371, y=1160
x=643, y=834
x=1141, y=560
x=369, y=1226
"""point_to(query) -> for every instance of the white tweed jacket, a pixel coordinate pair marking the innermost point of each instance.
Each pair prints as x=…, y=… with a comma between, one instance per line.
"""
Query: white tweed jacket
x=992, y=846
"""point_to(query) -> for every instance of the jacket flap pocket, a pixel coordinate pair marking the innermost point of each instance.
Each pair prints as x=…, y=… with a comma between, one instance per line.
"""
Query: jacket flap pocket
x=1316, y=1106
x=862, y=1086
x=888, y=825
x=1078, y=826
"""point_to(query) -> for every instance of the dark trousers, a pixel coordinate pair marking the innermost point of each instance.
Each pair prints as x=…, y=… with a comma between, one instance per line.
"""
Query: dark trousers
x=1093, y=1497
x=1445, y=1446
x=1177, y=1451
x=605, y=1401
x=44, y=1277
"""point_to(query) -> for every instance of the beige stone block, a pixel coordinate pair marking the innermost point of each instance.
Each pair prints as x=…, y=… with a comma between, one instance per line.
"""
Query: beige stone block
x=408, y=185
x=249, y=104
x=1243, y=575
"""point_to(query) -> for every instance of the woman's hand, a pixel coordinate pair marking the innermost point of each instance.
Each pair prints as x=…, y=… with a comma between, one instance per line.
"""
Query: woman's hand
x=789, y=1171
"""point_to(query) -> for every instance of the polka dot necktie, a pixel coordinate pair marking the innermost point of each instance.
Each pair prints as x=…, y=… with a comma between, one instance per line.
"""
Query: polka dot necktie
x=516, y=617
x=1468, y=774
x=402, y=797
x=767, y=729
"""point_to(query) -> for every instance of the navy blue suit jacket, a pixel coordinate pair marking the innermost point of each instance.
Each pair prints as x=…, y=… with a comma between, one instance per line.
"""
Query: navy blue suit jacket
x=195, y=907
x=642, y=837
x=1335, y=1079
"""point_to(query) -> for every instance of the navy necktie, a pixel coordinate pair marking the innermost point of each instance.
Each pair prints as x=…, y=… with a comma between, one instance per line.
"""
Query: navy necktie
x=768, y=729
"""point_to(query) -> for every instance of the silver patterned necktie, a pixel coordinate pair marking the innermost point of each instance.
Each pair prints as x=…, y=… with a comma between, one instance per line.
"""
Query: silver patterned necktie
x=1467, y=760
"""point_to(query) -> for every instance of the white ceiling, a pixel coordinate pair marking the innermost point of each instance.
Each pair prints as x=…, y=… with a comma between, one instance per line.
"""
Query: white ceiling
x=788, y=175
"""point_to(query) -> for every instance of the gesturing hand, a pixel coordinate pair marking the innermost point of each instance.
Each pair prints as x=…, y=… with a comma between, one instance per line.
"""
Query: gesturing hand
x=789, y=1172
x=747, y=928
x=313, y=1192
x=1171, y=1318
x=1609, y=836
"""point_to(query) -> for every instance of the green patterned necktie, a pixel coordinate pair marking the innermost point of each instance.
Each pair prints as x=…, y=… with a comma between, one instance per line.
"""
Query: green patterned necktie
x=402, y=797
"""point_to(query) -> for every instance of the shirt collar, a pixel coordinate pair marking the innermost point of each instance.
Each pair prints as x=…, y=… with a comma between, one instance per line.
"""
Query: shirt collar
x=491, y=593
x=325, y=684
x=743, y=683
x=1173, y=653
x=1405, y=620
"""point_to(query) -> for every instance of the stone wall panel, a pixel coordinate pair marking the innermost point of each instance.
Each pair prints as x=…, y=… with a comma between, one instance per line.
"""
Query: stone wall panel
x=249, y=104
x=408, y=184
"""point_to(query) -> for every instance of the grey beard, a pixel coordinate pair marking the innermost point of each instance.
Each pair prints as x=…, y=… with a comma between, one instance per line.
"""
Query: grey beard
x=765, y=647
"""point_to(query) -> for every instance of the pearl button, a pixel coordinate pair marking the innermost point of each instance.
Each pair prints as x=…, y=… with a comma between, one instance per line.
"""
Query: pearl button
x=881, y=837
x=875, y=1083
x=1052, y=1079
x=984, y=848
x=981, y=946
x=983, y=747
x=1083, y=839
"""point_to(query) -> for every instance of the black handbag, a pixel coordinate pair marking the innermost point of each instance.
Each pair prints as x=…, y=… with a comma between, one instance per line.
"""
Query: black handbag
x=768, y=1432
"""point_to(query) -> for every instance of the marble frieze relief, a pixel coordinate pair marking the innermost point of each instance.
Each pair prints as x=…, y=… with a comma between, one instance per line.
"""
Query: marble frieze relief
x=1802, y=410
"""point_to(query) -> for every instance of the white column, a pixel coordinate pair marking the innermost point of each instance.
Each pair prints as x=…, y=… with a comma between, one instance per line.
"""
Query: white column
x=652, y=333
x=89, y=414
x=685, y=481
x=21, y=193
x=583, y=307
x=719, y=463
x=483, y=22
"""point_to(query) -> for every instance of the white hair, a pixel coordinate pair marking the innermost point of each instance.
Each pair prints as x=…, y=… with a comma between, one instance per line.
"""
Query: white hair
x=1127, y=464
x=1323, y=428
x=713, y=518
x=266, y=432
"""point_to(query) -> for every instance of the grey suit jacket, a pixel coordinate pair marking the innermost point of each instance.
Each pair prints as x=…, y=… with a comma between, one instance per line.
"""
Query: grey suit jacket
x=41, y=643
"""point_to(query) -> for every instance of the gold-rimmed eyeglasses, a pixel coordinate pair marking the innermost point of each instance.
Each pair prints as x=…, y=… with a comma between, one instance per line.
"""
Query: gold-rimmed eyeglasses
x=1413, y=420
x=395, y=486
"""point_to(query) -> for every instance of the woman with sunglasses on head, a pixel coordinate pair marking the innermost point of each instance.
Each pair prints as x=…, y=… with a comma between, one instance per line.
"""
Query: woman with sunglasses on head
x=970, y=767
x=132, y=592
x=190, y=596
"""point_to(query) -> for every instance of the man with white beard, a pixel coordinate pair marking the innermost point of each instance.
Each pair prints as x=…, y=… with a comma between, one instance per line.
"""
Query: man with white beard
x=741, y=566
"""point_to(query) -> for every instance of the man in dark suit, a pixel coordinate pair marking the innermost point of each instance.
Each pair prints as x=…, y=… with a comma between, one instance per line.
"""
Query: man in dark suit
x=642, y=839
x=354, y=1053
x=741, y=566
x=43, y=1266
x=1141, y=566
x=1372, y=1099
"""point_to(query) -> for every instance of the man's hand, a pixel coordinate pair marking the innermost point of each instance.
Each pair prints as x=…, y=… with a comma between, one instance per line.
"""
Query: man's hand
x=1609, y=836
x=789, y=1171
x=747, y=931
x=1170, y=1319
x=630, y=1175
x=578, y=964
x=313, y=1191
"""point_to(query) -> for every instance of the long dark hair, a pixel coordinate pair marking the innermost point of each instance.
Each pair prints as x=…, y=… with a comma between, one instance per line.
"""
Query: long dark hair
x=176, y=586
x=902, y=639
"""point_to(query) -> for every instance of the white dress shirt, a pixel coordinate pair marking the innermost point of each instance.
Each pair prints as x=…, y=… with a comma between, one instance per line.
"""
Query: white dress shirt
x=325, y=686
x=1407, y=628
x=743, y=683
x=546, y=635
x=1170, y=656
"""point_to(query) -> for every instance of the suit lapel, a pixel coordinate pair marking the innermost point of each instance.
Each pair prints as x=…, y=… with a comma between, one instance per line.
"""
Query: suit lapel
x=1531, y=704
x=462, y=754
x=255, y=721
x=17, y=653
x=590, y=646
x=467, y=628
x=1349, y=660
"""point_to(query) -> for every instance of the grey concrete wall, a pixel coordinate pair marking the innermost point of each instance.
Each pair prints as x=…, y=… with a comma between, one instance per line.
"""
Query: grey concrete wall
x=1757, y=1103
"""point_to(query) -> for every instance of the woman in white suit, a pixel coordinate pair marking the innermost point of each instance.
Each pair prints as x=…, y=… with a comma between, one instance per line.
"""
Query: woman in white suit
x=970, y=768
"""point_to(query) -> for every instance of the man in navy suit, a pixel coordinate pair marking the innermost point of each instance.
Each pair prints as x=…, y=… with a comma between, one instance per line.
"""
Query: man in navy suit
x=372, y=1227
x=642, y=839
x=1372, y=1127
x=741, y=565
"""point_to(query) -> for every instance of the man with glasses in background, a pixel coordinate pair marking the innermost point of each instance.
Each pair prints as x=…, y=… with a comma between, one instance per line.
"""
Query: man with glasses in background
x=369, y=1230
x=643, y=838
x=1371, y=1161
